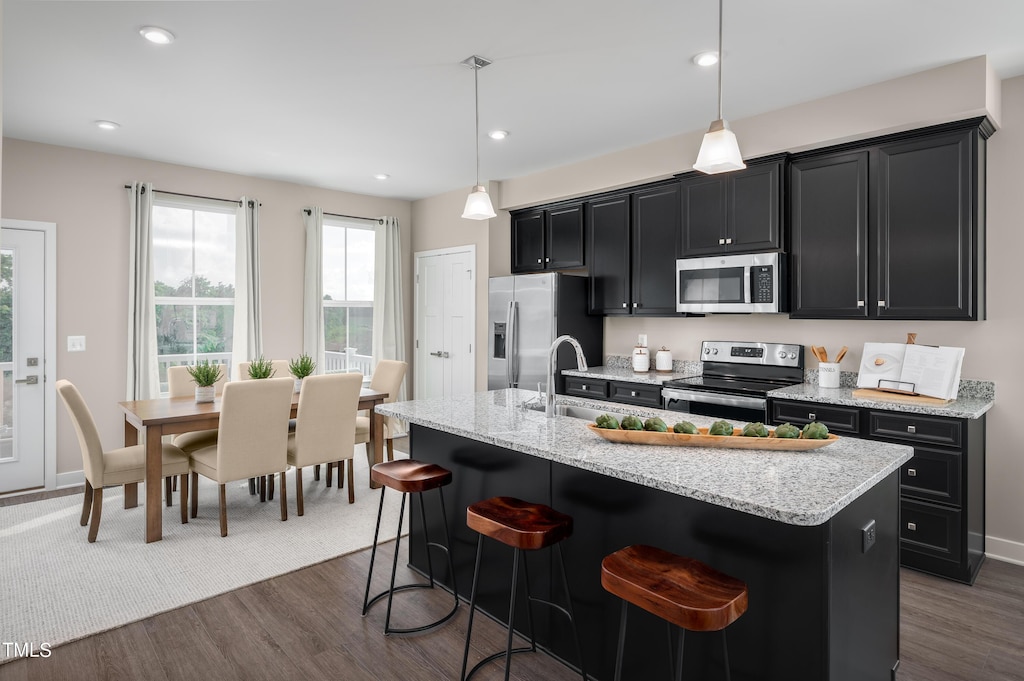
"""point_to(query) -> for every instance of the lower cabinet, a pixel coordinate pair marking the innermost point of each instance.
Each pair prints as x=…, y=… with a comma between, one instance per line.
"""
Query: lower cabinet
x=942, y=488
x=626, y=392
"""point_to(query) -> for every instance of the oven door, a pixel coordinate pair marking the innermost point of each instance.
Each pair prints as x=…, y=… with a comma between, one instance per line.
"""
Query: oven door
x=716, y=405
x=730, y=283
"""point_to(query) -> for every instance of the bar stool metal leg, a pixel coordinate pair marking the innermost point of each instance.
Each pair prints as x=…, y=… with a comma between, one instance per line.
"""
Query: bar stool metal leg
x=472, y=605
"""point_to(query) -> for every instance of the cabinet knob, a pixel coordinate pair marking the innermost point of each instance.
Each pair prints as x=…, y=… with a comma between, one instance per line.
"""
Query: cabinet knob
x=911, y=472
x=632, y=393
x=728, y=241
x=912, y=527
x=860, y=303
x=547, y=259
x=584, y=387
x=636, y=305
x=911, y=429
x=812, y=416
x=881, y=303
x=721, y=242
x=625, y=305
x=538, y=261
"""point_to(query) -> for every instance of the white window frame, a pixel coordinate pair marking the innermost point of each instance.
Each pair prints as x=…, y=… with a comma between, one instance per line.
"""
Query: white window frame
x=363, y=366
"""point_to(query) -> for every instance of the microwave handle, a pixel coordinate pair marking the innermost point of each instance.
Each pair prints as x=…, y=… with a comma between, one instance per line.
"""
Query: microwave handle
x=746, y=284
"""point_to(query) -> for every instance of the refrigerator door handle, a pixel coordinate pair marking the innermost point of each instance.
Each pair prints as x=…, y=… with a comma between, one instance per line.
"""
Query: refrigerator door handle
x=510, y=348
x=513, y=309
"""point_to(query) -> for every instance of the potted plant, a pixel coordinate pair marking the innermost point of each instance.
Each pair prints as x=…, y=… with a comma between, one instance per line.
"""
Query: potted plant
x=301, y=367
x=261, y=368
x=205, y=376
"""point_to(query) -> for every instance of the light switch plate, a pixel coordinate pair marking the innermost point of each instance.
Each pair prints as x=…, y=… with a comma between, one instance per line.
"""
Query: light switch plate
x=76, y=343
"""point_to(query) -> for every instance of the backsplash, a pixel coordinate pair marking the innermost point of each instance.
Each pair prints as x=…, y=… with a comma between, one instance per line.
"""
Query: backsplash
x=679, y=366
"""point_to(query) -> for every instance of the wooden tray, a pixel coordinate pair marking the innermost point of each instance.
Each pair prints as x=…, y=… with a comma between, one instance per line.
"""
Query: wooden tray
x=734, y=441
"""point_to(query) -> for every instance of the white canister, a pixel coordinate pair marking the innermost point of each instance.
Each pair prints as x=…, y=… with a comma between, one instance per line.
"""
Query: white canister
x=641, y=359
x=663, y=359
x=828, y=374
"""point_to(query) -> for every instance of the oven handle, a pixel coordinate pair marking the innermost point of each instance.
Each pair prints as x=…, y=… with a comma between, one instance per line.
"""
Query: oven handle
x=714, y=398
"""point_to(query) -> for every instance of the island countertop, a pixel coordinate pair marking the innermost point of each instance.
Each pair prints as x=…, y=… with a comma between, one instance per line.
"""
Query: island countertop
x=797, y=488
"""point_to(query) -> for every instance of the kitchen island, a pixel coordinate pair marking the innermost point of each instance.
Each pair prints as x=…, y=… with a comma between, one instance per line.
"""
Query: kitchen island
x=789, y=524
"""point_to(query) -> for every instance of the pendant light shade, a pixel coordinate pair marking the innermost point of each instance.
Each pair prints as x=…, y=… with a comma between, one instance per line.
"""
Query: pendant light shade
x=719, y=151
x=478, y=203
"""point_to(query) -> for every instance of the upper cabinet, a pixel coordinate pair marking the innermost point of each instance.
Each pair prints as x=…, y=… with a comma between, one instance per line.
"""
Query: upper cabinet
x=892, y=228
x=733, y=212
x=548, y=238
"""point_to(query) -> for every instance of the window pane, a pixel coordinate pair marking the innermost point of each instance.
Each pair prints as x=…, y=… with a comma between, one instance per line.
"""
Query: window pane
x=360, y=329
x=172, y=251
x=214, y=331
x=335, y=329
x=360, y=259
x=174, y=327
x=215, y=254
x=334, y=262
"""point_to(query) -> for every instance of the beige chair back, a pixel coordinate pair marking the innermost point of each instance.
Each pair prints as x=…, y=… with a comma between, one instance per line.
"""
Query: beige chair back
x=253, y=437
x=85, y=427
x=326, y=424
x=280, y=369
x=180, y=384
x=388, y=377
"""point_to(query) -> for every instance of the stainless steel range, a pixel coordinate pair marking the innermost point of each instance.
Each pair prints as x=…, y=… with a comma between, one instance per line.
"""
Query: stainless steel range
x=736, y=379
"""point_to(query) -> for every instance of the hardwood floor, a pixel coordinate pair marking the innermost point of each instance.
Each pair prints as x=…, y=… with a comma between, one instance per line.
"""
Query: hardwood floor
x=306, y=625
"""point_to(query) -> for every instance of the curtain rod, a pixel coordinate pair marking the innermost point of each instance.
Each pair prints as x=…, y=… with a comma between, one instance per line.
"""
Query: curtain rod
x=350, y=217
x=191, y=196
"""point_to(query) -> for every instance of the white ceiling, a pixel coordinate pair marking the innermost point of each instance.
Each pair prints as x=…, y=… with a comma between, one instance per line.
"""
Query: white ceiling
x=329, y=92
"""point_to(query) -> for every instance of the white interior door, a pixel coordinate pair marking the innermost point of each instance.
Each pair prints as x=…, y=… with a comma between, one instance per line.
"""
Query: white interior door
x=445, y=321
x=22, y=307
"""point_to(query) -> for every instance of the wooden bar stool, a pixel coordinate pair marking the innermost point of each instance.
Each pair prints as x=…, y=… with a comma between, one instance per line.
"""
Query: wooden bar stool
x=524, y=527
x=409, y=476
x=682, y=591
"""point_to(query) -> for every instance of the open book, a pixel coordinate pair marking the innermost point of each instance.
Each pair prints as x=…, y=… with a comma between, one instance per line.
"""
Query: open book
x=921, y=369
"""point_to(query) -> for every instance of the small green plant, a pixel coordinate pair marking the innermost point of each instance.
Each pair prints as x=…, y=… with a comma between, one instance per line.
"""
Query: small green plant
x=302, y=366
x=261, y=368
x=204, y=375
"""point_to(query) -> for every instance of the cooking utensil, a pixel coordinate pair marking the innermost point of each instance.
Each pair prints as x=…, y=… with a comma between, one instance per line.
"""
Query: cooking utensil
x=819, y=353
x=842, y=353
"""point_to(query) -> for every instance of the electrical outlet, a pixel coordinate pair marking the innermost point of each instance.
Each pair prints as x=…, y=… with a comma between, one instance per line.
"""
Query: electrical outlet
x=867, y=536
x=76, y=343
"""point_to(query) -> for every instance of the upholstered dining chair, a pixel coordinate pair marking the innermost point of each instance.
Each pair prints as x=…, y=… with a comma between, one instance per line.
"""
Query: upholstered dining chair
x=180, y=384
x=123, y=466
x=252, y=442
x=387, y=377
x=325, y=426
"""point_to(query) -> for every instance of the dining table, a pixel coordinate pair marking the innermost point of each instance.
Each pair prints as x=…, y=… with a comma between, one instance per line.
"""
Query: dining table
x=174, y=415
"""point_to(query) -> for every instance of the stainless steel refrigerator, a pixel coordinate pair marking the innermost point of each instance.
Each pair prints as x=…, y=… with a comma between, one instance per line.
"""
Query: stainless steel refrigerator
x=526, y=312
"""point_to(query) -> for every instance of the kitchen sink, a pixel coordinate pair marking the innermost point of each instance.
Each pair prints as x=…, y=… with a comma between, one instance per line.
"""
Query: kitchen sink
x=576, y=412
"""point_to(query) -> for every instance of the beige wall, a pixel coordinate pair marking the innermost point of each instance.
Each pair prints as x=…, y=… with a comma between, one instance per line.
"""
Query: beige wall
x=954, y=92
x=83, y=193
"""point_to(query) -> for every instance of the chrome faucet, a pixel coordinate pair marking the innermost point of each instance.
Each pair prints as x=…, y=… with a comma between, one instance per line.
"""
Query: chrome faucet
x=581, y=364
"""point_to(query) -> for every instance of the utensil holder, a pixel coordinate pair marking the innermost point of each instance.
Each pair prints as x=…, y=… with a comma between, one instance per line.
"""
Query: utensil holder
x=828, y=374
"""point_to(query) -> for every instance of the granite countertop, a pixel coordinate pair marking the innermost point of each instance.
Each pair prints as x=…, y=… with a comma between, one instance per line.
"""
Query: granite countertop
x=973, y=400
x=797, y=488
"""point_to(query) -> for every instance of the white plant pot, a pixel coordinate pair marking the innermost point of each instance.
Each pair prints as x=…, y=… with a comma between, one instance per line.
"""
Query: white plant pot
x=298, y=384
x=205, y=393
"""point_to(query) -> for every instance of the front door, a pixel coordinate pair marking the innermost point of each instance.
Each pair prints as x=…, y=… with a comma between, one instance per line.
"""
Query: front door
x=22, y=279
x=445, y=315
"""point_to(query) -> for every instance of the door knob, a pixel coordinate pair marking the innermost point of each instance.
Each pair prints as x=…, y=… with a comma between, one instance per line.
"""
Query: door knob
x=445, y=355
x=436, y=354
x=29, y=380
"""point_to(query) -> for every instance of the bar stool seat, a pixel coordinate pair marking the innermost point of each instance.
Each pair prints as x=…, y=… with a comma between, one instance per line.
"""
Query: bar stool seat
x=523, y=526
x=409, y=476
x=682, y=591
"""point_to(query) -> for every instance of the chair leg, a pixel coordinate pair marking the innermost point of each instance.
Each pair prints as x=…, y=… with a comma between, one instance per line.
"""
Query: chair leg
x=330, y=475
x=174, y=484
x=261, y=482
x=86, y=503
x=298, y=490
x=97, y=510
x=270, y=487
x=725, y=657
x=167, y=490
x=369, y=454
x=284, y=497
x=472, y=606
x=223, y=512
x=622, y=642
x=195, y=494
x=183, y=501
x=391, y=449
x=252, y=486
x=316, y=472
x=351, y=481
x=131, y=495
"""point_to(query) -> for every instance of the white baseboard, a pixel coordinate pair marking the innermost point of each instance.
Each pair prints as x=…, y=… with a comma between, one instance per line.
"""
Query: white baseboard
x=70, y=479
x=1005, y=550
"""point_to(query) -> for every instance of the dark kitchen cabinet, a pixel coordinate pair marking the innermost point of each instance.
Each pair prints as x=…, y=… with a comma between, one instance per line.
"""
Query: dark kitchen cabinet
x=633, y=241
x=733, y=212
x=548, y=238
x=624, y=392
x=892, y=228
x=942, y=488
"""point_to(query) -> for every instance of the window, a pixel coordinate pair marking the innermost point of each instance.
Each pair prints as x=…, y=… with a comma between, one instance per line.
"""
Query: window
x=348, y=256
x=194, y=281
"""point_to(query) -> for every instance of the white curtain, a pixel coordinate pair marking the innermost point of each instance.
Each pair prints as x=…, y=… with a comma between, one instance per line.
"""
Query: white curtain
x=143, y=372
x=388, y=308
x=313, y=288
x=247, y=340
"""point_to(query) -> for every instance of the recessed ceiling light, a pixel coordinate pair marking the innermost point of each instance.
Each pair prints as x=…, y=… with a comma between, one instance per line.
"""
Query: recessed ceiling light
x=155, y=34
x=381, y=176
x=498, y=134
x=107, y=125
x=706, y=59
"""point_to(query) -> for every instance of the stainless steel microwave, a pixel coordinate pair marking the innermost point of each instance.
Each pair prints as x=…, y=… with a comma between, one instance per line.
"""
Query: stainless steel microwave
x=751, y=282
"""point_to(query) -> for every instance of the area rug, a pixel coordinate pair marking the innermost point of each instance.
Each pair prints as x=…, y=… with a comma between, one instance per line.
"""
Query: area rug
x=56, y=587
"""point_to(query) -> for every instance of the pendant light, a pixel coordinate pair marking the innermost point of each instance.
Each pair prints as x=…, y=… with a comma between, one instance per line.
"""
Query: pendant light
x=478, y=203
x=719, y=152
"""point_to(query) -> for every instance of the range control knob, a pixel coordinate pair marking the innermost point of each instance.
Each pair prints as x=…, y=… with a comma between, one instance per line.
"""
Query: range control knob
x=714, y=351
x=792, y=355
x=782, y=354
x=707, y=351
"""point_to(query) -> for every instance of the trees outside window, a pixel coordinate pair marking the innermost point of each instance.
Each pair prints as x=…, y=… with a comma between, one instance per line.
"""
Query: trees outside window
x=348, y=261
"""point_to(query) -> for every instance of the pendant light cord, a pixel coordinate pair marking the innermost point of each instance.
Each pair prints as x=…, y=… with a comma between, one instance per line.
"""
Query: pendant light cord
x=721, y=58
x=476, y=101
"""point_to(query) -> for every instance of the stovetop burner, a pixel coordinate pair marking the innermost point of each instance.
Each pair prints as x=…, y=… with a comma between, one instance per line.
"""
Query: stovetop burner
x=746, y=367
x=728, y=385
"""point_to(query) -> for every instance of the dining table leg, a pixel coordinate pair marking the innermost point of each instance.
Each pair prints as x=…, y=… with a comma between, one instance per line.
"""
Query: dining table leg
x=131, y=490
x=154, y=486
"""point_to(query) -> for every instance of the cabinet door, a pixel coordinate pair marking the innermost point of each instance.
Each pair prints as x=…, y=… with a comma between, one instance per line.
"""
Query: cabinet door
x=703, y=215
x=927, y=238
x=655, y=244
x=565, y=237
x=528, y=241
x=608, y=245
x=754, y=208
x=829, y=232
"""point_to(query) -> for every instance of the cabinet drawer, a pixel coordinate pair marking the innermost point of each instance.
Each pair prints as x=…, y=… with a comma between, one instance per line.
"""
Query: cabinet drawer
x=838, y=419
x=586, y=387
x=930, y=529
x=932, y=474
x=641, y=394
x=914, y=428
